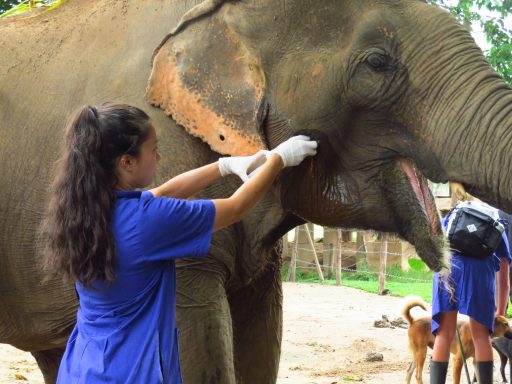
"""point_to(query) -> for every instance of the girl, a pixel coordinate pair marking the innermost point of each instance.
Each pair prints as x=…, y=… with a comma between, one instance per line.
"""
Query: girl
x=117, y=243
x=474, y=285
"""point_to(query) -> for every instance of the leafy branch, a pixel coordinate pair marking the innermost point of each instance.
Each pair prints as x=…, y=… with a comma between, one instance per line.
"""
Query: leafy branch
x=497, y=32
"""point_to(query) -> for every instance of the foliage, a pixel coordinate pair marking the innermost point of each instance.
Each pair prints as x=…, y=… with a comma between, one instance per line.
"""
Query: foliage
x=14, y=7
x=497, y=32
x=396, y=287
x=417, y=264
x=5, y=5
x=369, y=283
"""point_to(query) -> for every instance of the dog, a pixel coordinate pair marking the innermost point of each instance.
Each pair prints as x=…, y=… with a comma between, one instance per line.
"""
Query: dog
x=503, y=346
x=421, y=337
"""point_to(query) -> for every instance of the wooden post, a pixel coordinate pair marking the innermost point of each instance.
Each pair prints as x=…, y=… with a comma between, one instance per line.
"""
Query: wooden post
x=330, y=241
x=286, y=249
x=304, y=256
x=317, y=263
x=338, y=256
x=332, y=260
x=383, y=259
x=363, y=238
x=293, y=262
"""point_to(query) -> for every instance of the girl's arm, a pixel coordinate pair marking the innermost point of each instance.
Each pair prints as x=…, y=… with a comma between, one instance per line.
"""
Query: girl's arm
x=228, y=211
x=189, y=183
x=503, y=286
x=236, y=207
x=287, y=154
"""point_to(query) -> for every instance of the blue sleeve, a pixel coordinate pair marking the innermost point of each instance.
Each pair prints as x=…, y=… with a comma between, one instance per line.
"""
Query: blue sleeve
x=174, y=228
x=446, y=219
x=503, y=249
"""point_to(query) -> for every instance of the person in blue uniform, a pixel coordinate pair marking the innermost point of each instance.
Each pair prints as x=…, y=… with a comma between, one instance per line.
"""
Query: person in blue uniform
x=474, y=294
x=118, y=243
x=507, y=219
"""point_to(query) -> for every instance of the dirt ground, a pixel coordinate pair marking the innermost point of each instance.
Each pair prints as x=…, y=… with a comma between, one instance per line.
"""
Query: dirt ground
x=328, y=332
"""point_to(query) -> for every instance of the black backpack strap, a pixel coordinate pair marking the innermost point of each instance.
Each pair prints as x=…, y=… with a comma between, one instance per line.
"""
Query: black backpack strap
x=455, y=220
x=76, y=291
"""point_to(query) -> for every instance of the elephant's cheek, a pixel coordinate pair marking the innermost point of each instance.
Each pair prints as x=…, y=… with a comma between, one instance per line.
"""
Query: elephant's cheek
x=320, y=197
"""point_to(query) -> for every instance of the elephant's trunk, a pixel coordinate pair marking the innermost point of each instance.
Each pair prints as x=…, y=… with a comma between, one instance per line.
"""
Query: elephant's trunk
x=473, y=127
x=486, y=146
x=462, y=112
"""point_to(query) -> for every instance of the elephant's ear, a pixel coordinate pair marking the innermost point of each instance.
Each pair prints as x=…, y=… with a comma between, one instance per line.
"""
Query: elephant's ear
x=205, y=79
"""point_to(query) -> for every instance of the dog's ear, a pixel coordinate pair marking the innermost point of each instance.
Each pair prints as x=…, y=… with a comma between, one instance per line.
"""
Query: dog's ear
x=501, y=320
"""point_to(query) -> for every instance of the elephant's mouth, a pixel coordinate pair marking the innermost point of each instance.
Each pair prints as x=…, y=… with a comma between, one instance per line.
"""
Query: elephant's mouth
x=359, y=189
x=415, y=213
x=419, y=185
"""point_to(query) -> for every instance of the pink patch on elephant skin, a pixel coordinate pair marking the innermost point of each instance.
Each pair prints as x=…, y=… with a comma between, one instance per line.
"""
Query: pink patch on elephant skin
x=214, y=94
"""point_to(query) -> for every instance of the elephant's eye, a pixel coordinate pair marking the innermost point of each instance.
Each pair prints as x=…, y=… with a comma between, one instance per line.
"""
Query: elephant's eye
x=378, y=61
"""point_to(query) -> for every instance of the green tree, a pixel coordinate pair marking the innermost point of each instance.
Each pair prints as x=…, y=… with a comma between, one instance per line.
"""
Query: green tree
x=497, y=32
x=14, y=7
x=5, y=5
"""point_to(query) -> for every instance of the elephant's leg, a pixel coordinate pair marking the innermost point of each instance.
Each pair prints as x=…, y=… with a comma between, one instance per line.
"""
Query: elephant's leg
x=257, y=321
x=206, y=338
x=48, y=362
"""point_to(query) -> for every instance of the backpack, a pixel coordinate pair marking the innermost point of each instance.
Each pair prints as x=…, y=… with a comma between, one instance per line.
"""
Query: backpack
x=474, y=229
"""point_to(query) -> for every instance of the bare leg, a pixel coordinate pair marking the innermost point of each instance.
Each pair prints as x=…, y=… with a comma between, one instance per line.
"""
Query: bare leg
x=481, y=340
x=257, y=319
x=444, y=336
x=483, y=351
x=48, y=362
x=206, y=338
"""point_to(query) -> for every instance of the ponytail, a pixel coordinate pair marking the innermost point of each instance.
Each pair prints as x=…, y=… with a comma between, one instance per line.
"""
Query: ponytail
x=79, y=243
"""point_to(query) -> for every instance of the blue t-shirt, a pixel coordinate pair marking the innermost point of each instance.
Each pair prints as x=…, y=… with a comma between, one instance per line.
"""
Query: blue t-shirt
x=126, y=332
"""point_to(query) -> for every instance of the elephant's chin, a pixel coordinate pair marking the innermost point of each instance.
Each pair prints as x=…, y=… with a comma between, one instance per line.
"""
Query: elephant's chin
x=415, y=212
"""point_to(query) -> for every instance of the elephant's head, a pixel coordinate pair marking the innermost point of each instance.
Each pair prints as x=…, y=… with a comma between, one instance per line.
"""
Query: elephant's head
x=392, y=90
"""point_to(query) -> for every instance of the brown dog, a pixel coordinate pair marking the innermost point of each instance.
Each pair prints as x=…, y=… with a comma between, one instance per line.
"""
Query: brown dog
x=421, y=337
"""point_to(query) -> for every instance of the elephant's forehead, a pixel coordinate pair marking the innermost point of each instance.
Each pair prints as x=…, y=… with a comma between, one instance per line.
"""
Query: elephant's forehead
x=310, y=24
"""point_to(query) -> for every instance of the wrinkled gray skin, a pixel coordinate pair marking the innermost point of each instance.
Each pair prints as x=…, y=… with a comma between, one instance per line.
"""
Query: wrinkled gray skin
x=433, y=100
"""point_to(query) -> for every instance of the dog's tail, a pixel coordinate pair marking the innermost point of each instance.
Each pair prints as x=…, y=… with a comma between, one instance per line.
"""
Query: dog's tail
x=411, y=302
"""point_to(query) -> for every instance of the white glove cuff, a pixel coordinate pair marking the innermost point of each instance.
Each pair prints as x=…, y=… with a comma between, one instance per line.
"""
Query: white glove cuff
x=224, y=167
x=283, y=158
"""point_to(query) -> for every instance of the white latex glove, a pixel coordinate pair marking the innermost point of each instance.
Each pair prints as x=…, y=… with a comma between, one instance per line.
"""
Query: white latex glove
x=241, y=166
x=295, y=149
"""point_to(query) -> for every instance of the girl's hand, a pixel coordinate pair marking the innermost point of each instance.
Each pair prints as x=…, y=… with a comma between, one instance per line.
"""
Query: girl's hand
x=241, y=166
x=295, y=149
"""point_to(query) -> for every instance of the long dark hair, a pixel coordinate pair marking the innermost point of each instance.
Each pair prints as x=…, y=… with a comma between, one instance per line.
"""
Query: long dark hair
x=79, y=244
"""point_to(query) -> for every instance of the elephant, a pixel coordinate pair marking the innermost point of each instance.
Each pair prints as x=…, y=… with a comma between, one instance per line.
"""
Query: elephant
x=395, y=92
